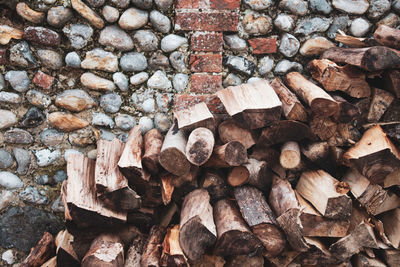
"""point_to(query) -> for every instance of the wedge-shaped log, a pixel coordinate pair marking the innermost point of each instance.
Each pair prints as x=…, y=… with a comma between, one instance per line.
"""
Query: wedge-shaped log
x=372, y=59
x=284, y=131
x=153, y=141
x=197, y=228
x=106, y=250
x=259, y=216
x=347, y=79
x=230, y=130
x=325, y=193
x=374, y=156
x=234, y=236
x=380, y=102
x=66, y=255
x=195, y=116
x=40, y=253
x=319, y=101
x=172, y=254
x=253, y=105
x=152, y=249
x=391, y=224
x=282, y=196
x=290, y=155
x=229, y=155
x=254, y=172
x=199, y=146
x=388, y=36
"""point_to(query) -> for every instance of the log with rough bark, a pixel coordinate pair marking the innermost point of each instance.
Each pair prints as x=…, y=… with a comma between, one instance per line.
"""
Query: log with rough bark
x=374, y=156
x=152, y=249
x=392, y=81
x=286, y=258
x=233, y=238
x=172, y=254
x=292, y=107
x=106, y=250
x=319, y=101
x=111, y=186
x=372, y=59
x=153, y=141
x=66, y=255
x=388, y=36
x=290, y=155
x=317, y=152
x=317, y=255
x=253, y=105
x=391, y=224
x=199, y=146
x=187, y=178
x=380, y=102
x=325, y=193
x=259, y=216
x=228, y=155
x=284, y=131
x=39, y=254
x=265, y=153
x=347, y=111
x=230, y=130
x=254, y=172
x=195, y=116
x=215, y=185
x=347, y=79
x=172, y=155
x=197, y=228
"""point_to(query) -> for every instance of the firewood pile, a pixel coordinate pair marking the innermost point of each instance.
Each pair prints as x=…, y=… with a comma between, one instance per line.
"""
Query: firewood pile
x=298, y=172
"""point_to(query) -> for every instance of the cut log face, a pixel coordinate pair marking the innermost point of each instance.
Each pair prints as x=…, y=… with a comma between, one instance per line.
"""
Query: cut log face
x=347, y=111
x=106, y=250
x=391, y=224
x=325, y=193
x=388, y=36
x=284, y=131
x=374, y=155
x=153, y=141
x=197, y=228
x=254, y=172
x=172, y=254
x=230, y=130
x=172, y=156
x=372, y=59
x=195, y=116
x=66, y=255
x=381, y=100
x=292, y=107
x=152, y=249
x=319, y=101
x=43, y=251
x=228, y=155
x=199, y=146
x=253, y=105
x=290, y=155
x=347, y=79
x=234, y=236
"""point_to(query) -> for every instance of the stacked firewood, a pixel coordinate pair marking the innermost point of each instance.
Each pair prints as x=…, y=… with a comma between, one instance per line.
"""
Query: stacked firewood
x=298, y=172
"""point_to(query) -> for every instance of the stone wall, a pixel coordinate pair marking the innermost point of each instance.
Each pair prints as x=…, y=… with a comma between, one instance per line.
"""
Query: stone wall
x=73, y=72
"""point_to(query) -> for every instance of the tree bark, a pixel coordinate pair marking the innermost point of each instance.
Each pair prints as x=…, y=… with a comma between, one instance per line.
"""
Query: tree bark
x=392, y=257
x=229, y=130
x=172, y=254
x=40, y=253
x=106, y=250
x=195, y=116
x=152, y=250
x=392, y=81
x=254, y=172
x=380, y=102
x=215, y=185
x=153, y=141
x=347, y=111
x=66, y=255
x=199, y=146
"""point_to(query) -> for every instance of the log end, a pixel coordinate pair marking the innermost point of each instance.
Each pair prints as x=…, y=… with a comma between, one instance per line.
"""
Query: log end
x=235, y=154
x=271, y=237
x=324, y=107
x=238, y=176
x=235, y=242
x=174, y=161
x=339, y=208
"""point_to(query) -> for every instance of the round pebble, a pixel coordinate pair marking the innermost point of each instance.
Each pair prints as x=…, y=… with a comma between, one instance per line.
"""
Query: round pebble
x=289, y=45
x=284, y=22
x=160, y=22
x=133, y=61
x=139, y=78
x=110, y=13
x=148, y=105
x=172, y=42
x=159, y=81
x=6, y=160
x=231, y=80
x=18, y=80
x=177, y=60
x=78, y=34
x=58, y=16
x=145, y=40
x=73, y=60
x=359, y=27
x=265, y=65
x=10, y=181
x=121, y=81
x=180, y=82
x=125, y=122
x=111, y=103
x=146, y=124
x=101, y=119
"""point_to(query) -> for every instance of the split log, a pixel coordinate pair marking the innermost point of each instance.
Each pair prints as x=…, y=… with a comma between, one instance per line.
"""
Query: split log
x=199, y=146
x=134, y=251
x=347, y=111
x=290, y=155
x=319, y=101
x=325, y=193
x=374, y=156
x=372, y=59
x=233, y=238
x=152, y=250
x=66, y=255
x=215, y=185
x=172, y=155
x=253, y=105
x=40, y=253
x=347, y=79
x=292, y=107
x=284, y=131
x=392, y=81
x=230, y=130
x=391, y=224
x=352, y=41
x=282, y=196
x=111, y=186
x=260, y=218
x=346, y=135
x=362, y=260
x=172, y=254
x=187, y=178
x=392, y=257
x=197, y=228
x=254, y=172
x=317, y=255
x=323, y=127
x=167, y=188
x=195, y=116
x=228, y=155
x=153, y=141
x=106, y=250
x=380, y=102
x=388, y=36
x=51, y=262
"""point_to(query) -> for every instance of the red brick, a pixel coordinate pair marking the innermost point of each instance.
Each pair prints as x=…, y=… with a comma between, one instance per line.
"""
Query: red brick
x=3, y=56
x=183, y=101
x=225, y=4
x=206, y=63
x=263, y=45
x=204, y=4
x=191, y=4
x=43, y=80
x=206, y=21
x=205, y=83
x=207, y=42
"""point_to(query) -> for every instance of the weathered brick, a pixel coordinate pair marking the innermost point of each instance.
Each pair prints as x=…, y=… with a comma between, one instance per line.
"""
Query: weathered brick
x=3, y=56
x=206, y=21
x=207, y=4
x=225, y=4
x=206, y=63
x=189, y=4
x=43, y=80
x=207, y=42
x=263, y=45
x=182, y=101
x=202, y=83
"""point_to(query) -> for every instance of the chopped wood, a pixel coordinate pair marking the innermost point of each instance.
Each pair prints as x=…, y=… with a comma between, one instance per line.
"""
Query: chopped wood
x=230, y=130
x=292, y=107
x=228, y=155
x=215, y=185
x=391, y=224
x=284, y=131
x=362, y=260
x=172, y=254
x=40, y=253
x=153, y=141
x=347, y=111
x=106, y=250
x=380, y=102
x=233, y=238
x=392, y=81
x=317, y=152
x=323, y=127
x=392, y=257
x=254, y=105
x=290, y=155
x=197, y=228
x=242, y=260
x=347, y=78
x=66, y=255
x=152, y=249
x=388, y=36
x=350, y=41
x=199, y=146
x=209, y=260
x=195, y=116
x=254, y=172
x=265, y=153
x=51, y=262
x=286, y=258
x=167, y=188
x=372, y=59
x=187, y=178
x=282, y=196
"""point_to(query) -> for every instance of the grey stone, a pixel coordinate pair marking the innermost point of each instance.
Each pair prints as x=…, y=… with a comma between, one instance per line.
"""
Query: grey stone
x=235, y=43
x=159, y=81
x=265, y=65
x=254, y=79
x=46, y=157
x=259, y=4
x=163, y=5
x=31, y=195
x=59, y=176
x=285, y=66
x=148, y=105
x=359, y=27
x=106, y=135
x=164, y=101
x=18, y=80
x=338, y=23
x=110, y=14
x=239, y=64
x=42, y=179
x=160, y=22
x=297, y=7
x=123, y=137
x=377, y=8
x=145, y=40
x=9, y=256
x=320, y=6
x=120, y=3
x=96, y=3
x=284, y=22
x=289, y=45
x=6, y=160
x=144, y=4
x=58, y=16
x=98, y=59
x=133, y=19
x=124, y=121
x=7, y=118
x=139, y=78
x=121, y=81
x=115, y=37
x=255, y=23
x=18, y=136
x=78, y=34
x=6, y=197
x=32, y=118
x=10, y=98
x=231, y=80
x=146, y=124
x=23, y=159
x=101, y=119
x=50, y=59
x=177, y=60
x=38, y=99
x=16, y=227
x=10, y=181
x=308, y=26
x=82, y=137
x=158, y=61
x=69, y=152
x=133, y=61
x=358, y=7
x=180, y=82
x=73, y=60
x=162, y=122
x=58, y=205
x=111, y=102
x=21, y=55
x=172, y=42
x=2, y=82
